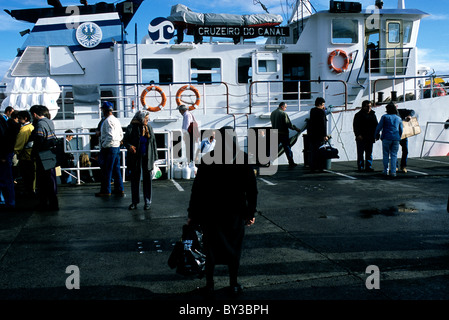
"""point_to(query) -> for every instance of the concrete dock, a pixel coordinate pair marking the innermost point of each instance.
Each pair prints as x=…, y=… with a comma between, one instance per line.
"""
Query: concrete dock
x=318, y=236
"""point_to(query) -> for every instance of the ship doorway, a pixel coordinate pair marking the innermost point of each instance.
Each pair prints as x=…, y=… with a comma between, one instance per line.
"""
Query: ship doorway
x=395, y=51
x=296, y=67
x=267, y=76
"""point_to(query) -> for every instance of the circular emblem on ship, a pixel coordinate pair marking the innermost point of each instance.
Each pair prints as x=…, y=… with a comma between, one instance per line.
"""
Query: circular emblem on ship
x=89, y=34
x=161, y=30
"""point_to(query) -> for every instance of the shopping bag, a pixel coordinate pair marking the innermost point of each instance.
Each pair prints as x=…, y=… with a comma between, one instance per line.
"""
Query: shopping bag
x=187, y=255
x=156, y=173
x=326, y=151
x=410, y=128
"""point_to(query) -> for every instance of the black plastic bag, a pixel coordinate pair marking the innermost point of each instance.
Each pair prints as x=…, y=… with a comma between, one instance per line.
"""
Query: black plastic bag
x=326, y=151
x=187, y=255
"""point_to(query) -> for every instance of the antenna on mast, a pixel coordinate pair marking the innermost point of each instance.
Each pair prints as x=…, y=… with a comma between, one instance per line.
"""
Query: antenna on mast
x=401, y=4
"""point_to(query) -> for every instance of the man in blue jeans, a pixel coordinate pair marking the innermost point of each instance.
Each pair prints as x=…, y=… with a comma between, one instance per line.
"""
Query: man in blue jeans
x=111, y=136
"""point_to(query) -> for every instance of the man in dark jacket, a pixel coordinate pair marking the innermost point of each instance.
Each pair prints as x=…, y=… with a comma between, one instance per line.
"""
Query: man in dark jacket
x=317, y=133
x=44, y=138
x=281, y=121
x=364, y=124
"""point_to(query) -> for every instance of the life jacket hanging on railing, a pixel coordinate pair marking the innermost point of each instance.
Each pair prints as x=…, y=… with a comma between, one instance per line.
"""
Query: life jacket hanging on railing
x=195, y=91
x=144, y=94
x=330, y=61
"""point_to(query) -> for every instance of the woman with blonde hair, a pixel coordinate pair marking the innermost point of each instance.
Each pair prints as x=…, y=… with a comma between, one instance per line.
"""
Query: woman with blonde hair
x=140, y=141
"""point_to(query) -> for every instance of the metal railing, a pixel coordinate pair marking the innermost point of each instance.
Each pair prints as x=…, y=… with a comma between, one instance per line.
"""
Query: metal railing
x=418, y=89
x=131, y=100
x=446, y=126
x=372, y=62
x=271, y=93
x=167, y=162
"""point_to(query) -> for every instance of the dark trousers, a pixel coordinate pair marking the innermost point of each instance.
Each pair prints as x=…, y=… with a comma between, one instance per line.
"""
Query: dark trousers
x=28, y=172
x=316, y=161
x=284, y=140
x=7, y=181
x=364, y=154
x=141, y=166
x=404, y=146
x=47, y=187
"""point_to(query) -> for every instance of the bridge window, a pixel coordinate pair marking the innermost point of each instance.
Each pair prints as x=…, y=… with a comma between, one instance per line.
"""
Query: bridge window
x=345, y=31
x=408, y=25
x=205, y=70
x=157, y=70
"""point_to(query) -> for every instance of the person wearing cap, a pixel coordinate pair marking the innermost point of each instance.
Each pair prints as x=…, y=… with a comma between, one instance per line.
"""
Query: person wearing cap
x=111, y=135
x=187, y=120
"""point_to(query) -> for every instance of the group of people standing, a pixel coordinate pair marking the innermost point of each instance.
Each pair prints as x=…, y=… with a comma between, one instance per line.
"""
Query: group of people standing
x=26, y=141
x=389, y=128
x=367, y=130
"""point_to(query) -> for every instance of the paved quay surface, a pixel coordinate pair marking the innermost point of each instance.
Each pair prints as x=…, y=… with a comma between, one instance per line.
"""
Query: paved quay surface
x=314, y=238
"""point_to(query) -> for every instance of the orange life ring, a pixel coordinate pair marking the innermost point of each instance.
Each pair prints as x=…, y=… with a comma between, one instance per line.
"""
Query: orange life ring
x=330, y=61
x=161, y=92
x=188, y=87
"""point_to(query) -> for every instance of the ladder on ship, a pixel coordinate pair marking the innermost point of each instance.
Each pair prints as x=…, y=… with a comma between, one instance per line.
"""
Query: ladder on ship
x=128, y=72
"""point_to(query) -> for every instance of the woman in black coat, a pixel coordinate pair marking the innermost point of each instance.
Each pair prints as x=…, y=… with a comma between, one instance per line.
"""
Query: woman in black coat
x=140, y=141
x=223, y=201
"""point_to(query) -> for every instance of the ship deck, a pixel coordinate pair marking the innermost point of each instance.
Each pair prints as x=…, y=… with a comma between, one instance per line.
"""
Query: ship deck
x=313, y=239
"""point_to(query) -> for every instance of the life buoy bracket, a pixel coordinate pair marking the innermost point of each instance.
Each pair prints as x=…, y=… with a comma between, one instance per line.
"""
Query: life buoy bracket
x=157, y=89
x=195, y=91
x=330, y=61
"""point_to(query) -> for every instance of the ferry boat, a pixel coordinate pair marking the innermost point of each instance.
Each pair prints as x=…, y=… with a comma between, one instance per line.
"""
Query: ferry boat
x=78, y=56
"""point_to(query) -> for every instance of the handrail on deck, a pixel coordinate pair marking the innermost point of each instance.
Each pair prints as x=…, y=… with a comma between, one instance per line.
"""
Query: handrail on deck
x=136, y=94
x=167, y=162
x=345, y=92
x=415, y=85
x=446, y=124
x=368, y=57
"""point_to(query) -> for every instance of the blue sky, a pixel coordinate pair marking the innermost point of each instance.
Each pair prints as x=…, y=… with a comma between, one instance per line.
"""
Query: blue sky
x=433, y=39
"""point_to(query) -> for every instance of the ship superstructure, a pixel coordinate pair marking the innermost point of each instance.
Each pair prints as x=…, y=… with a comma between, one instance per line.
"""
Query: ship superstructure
x=76, y=57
